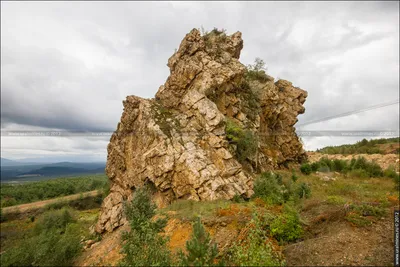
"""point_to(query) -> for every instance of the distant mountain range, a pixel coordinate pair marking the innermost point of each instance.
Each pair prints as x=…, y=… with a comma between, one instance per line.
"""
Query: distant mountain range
x=15, y=169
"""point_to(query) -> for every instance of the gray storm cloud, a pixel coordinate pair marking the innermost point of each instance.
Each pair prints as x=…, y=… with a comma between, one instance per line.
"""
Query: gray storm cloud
x=68, y=66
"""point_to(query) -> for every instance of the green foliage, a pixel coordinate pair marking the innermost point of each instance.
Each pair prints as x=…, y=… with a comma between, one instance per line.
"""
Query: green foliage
x=15, y=194
x=200, y=250
x=358, y=214
x=3, y=218
x=256, y=71
x=214, y=38
x=357, y=167
x=255, y=250
x=306, y=169
x=143, y=245
x=267, y=187
x=271, y=188
x=250, y=100
x=358, y=220
x=245, y=141
x=286, y=227
x=54, y=241
x=56, y=219
x=362, y=147
x=237, y=198
x=390, y=172
x=294, y=177
x=368, y=210
x=303, y=190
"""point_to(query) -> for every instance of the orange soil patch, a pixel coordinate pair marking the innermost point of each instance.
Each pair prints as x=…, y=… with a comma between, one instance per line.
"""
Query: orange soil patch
x=233, y=210
x=394, y=200
x=178, y=232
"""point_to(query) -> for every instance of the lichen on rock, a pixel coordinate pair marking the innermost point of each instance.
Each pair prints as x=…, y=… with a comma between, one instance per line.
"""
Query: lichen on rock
x=178, y=142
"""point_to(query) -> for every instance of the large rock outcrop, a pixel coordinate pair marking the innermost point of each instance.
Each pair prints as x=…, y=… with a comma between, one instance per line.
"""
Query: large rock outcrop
x=210, y=127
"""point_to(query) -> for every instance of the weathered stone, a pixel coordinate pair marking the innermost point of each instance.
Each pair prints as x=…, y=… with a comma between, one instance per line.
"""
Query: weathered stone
x=177, y=141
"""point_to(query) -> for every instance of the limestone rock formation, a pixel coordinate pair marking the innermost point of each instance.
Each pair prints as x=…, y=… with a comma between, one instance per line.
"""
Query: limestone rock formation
x=211, y=126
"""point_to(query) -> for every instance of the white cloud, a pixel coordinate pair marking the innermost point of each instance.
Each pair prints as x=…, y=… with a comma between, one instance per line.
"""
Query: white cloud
x=69, y=65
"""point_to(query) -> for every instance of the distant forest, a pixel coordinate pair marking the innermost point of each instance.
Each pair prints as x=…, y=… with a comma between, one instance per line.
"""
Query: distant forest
x=375, y=146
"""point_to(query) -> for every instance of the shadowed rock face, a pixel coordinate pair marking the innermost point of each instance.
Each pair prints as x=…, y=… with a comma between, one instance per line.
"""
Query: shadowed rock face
x=177, y=142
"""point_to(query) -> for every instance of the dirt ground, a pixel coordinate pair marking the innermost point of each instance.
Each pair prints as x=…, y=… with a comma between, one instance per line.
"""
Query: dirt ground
x=103, y=253
x=336, y=242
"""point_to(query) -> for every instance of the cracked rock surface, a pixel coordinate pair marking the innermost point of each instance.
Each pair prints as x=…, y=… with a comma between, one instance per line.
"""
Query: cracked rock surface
x=177, y=141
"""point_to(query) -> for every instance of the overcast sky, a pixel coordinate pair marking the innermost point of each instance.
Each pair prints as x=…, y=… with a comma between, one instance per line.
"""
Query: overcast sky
x=69, y=65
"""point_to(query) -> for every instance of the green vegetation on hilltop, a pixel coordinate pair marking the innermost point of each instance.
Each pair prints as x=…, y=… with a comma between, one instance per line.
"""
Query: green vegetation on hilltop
x=355, y=167
x=257, y=71
x=362, y=147
x=15, y=194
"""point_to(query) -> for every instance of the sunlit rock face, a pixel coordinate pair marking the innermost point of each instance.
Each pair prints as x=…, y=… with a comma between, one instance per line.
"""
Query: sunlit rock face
x=178, y=141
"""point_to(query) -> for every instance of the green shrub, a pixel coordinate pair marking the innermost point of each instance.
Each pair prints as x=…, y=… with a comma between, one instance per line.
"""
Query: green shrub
x=339, y=165
x=143, y=245
x=294, y=177
x=390, y=172
x=200, y=250
x=256, y=71
x=267, y=187
x=286, y=227
x=303, y=190
x=55, y=241
x=247, y=146
x=358, y=220
x=356, y=167
x=254, y=250
x=245, y=141
x=306, y=169
x=368, y=210
x=55, y=219
x=315, y=166
x=237, y=198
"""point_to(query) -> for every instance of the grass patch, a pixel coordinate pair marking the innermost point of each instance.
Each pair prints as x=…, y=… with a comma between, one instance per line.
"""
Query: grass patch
x=189, y=210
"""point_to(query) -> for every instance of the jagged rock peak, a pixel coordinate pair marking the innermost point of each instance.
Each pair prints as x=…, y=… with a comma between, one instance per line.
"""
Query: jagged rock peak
x=212, y=126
